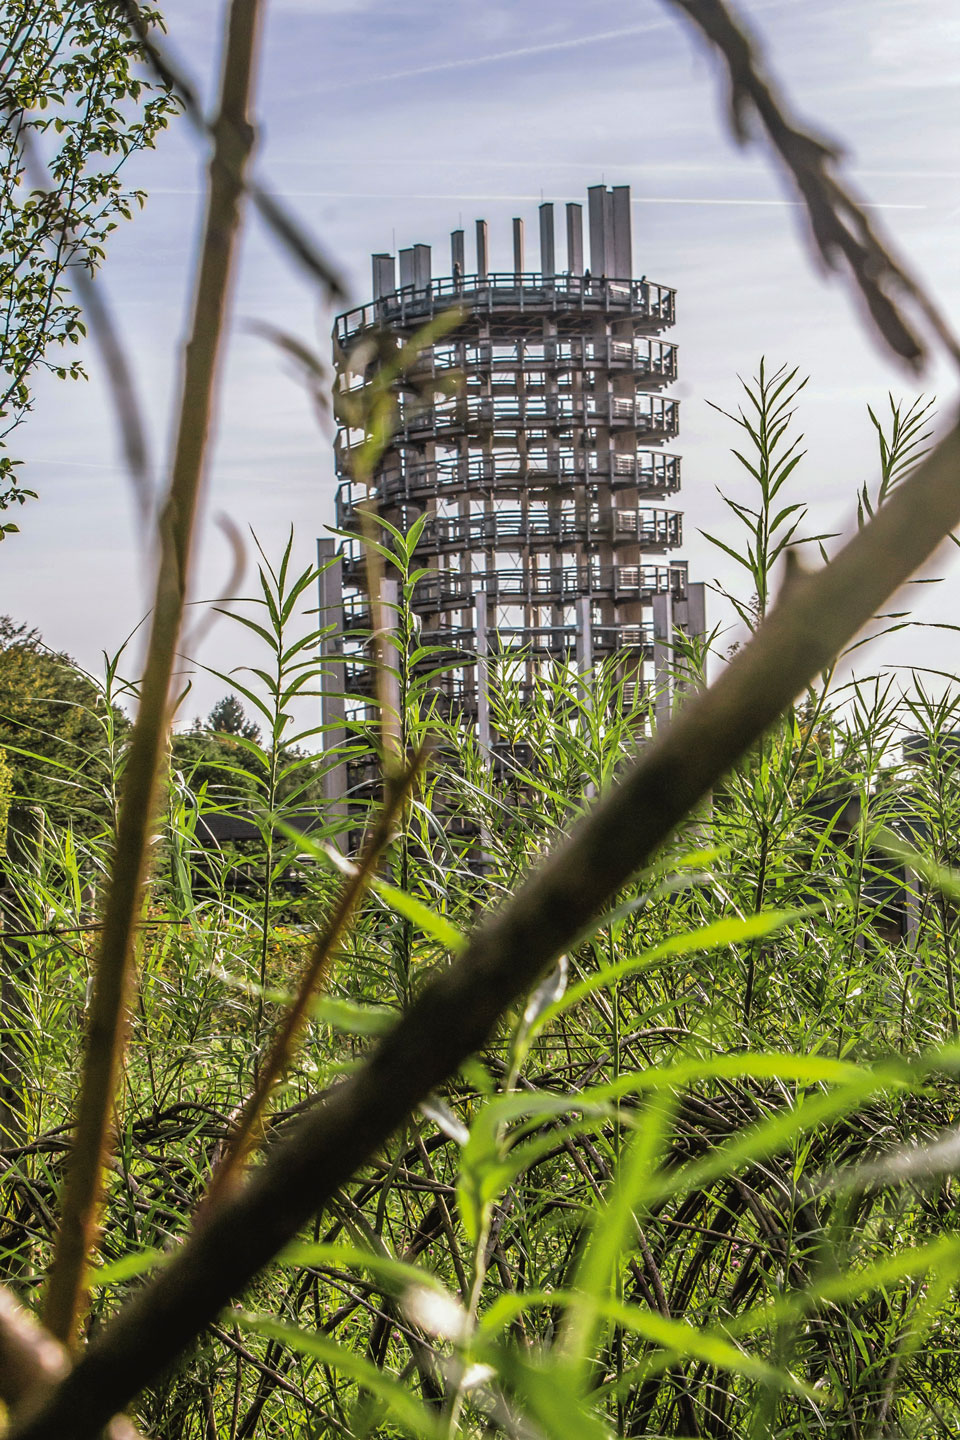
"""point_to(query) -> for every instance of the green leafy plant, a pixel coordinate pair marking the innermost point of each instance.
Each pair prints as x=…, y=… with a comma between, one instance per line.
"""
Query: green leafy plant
x=70, y=87
x=770, y=529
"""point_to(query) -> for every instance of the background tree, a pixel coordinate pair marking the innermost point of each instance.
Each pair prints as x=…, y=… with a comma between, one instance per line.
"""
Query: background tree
x=212, y=759
x=61, y=732
x=228, y=717
x=70, y=101
x=223, y=758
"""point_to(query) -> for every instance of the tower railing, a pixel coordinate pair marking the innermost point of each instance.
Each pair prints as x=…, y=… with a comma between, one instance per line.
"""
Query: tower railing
x=644, y=525
x=528, y=292
x=561, y=643
x=651, y=472
x=643, y=357
x=649, y=415
x=558, y=584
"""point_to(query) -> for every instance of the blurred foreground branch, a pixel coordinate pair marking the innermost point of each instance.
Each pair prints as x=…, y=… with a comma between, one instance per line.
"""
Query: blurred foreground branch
x=32, y=1362
x=271, y=209
x=110, y=1000
x=843, y=233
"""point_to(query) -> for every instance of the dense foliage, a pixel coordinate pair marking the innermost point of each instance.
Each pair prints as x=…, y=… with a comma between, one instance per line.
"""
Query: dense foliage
x=697, y=1186
x=63, y=732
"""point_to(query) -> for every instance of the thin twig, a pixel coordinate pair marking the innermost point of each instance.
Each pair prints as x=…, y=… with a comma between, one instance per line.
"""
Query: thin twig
x=841, y=229
x=269, y=207
x=108, y=1020
x=248, y=1130
x=81, y=929
x=815, y=618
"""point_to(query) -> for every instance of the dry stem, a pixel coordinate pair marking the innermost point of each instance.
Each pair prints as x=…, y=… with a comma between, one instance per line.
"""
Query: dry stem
x=113, y=979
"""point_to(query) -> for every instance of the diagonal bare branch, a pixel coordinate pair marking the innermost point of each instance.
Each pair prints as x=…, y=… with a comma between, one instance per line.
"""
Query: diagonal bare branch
x=843, y=234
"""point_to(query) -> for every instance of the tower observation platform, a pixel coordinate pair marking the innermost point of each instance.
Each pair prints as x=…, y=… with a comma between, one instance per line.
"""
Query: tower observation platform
x=542, y=473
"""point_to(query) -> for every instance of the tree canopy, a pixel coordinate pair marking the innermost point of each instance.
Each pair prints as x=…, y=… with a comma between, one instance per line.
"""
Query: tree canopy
x=61, y=734
x=72, y=109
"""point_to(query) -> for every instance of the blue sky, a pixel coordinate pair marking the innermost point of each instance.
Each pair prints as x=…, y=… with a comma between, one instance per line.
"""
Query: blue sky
x=389, y=124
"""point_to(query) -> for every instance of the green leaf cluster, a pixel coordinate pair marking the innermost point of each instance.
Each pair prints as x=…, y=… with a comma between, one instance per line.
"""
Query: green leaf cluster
x=74, y=106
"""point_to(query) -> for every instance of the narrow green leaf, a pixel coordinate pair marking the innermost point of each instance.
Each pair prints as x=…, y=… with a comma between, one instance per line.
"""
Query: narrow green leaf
x=437, y=926
x=127, y=1267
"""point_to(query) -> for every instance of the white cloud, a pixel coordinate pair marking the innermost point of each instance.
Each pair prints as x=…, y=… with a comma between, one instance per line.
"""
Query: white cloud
x=913, y=44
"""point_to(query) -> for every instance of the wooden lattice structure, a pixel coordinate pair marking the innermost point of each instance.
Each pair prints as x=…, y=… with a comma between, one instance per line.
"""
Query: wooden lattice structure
x=542, y=472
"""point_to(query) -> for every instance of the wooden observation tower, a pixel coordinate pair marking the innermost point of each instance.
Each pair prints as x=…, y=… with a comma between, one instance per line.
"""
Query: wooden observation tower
x=542, y=473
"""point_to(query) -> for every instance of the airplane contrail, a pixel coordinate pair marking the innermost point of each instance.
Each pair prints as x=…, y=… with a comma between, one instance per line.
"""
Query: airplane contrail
x=519, y=52
x=637, y=199
x=464, y=61
x=448, y=195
